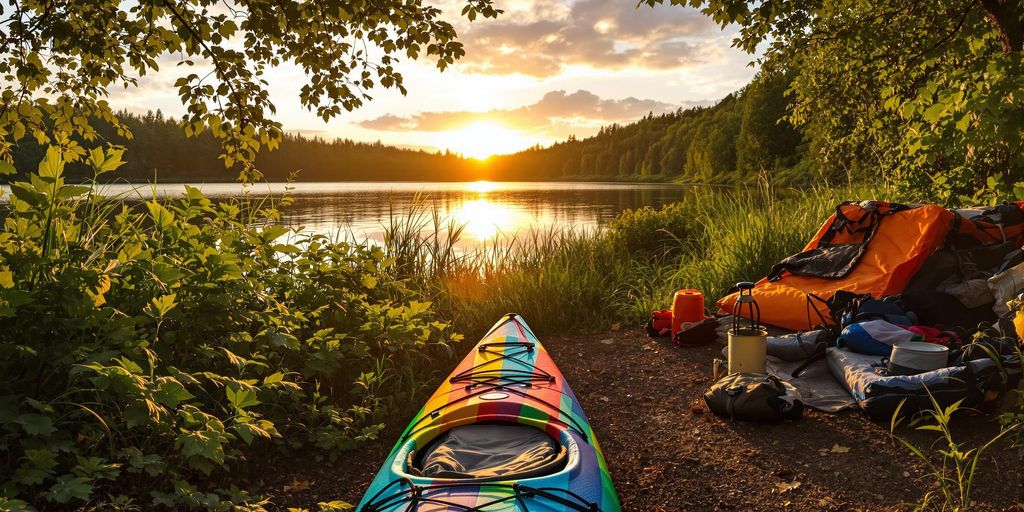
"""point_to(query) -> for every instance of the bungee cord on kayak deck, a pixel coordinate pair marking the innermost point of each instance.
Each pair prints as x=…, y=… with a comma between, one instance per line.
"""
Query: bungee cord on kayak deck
x=416, y=495
x=505, y=380
x=478, y=375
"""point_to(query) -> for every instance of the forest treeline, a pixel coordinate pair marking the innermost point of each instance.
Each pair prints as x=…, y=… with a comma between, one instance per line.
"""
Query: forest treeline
x=741, y=137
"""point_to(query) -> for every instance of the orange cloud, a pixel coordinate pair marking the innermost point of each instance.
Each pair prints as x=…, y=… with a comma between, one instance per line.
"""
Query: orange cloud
x=611, y=34
x=555, y=115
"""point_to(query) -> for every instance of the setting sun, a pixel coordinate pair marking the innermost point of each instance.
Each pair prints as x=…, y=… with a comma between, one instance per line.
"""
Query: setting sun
x=482, y=140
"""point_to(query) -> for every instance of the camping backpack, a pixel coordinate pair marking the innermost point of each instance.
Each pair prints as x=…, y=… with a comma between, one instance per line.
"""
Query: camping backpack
x=845, y=308
x=754, y=397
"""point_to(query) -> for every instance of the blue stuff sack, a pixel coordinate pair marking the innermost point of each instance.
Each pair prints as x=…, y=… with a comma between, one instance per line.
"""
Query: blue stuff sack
x=875, y=337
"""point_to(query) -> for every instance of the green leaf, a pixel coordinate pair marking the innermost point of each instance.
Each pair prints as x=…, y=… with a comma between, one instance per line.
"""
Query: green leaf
x=6, y=279
x=241, y=398
x=167, y=274
x=162, y=217
x=369, y=281
x=159, y=306
x=69, y=487
x=52, y=165
x=6, y=168
x=334, y=506
x=170, y=392
x=932, y=113
x=35, y=424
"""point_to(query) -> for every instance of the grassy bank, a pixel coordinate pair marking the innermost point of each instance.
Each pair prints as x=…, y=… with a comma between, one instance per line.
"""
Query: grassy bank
x=563, y=280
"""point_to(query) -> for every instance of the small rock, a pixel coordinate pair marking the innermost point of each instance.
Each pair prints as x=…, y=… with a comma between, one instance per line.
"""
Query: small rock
x=786, y=486
x=607, y=341
x=840, y=449
x=906, y=474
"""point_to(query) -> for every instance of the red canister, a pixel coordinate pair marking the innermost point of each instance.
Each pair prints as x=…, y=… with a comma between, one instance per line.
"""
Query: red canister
x=687, y=306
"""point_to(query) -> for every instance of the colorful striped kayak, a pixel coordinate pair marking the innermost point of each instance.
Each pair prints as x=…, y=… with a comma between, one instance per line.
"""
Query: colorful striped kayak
x=507, y=384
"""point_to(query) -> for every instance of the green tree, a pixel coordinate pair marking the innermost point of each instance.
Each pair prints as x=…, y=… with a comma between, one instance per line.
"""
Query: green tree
x=766, y=141
x=926, y=93
x=60, y=58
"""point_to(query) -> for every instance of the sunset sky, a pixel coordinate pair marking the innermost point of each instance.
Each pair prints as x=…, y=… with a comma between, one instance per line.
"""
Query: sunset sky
x=543, y=70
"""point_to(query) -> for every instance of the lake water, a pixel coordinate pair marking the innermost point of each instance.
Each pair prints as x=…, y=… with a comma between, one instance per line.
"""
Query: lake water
x=490, y=211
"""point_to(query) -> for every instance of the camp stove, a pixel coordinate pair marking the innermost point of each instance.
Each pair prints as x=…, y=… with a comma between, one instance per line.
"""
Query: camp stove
x=748, y=339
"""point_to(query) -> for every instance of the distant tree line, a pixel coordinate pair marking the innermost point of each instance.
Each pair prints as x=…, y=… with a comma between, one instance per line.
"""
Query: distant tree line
x=741, y=137
x=738, y=139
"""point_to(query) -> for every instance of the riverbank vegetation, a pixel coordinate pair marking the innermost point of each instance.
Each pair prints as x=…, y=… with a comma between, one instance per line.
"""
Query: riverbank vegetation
x=153, y=349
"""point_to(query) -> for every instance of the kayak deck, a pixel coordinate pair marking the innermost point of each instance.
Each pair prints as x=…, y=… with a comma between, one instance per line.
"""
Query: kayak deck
x=507, y=378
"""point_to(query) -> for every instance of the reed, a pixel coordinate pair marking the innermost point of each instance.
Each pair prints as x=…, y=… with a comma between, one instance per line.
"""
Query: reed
x=567, y=280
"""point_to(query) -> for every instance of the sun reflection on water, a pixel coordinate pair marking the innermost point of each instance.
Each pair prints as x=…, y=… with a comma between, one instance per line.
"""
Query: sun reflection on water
x=482, y=186
x=485, y=220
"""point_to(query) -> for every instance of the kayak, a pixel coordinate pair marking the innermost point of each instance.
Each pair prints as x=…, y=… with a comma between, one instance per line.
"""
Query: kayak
x=503, y=433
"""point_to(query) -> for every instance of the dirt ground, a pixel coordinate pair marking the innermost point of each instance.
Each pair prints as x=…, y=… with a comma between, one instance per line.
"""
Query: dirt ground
x=666, y=452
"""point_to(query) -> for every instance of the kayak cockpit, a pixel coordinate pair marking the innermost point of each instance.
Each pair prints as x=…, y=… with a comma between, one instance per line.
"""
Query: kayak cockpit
x=489, y=451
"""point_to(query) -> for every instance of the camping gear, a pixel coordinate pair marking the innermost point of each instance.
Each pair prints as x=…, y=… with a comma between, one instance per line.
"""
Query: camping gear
x=687, y=307
x=841, y=245
x=875, y=337
x=748, y=345
x=1005, y=286
x=1018, y=323
x=697, y=334
x=890, y=309
x=660, y=324
x=503, y=432
x=879, y=394
x=913, y=357
x=754, y=397
x=932, y=335
x=873, y=248
x=934, y=307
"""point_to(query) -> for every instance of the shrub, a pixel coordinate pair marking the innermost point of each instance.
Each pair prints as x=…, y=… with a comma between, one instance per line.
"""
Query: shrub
x=149, y=347
x=654, y=231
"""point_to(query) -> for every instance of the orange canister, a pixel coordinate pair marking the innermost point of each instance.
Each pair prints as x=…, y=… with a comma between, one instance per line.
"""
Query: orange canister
x=687, y=306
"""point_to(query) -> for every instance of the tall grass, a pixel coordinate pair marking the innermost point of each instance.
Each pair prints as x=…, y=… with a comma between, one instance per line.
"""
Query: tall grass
x=563, y=279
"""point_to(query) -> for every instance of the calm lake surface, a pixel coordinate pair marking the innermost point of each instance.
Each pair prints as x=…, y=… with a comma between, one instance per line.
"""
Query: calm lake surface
x=490, y=211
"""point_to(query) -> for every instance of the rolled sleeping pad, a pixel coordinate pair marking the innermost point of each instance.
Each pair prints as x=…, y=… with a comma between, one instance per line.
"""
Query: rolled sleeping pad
x=880, y=395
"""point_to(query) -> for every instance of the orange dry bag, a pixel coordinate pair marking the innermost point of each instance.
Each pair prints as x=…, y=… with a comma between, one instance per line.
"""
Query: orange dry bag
x=687, y=306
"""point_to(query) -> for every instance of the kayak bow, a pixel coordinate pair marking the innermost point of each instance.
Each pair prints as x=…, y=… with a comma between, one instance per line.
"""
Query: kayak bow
x=504, y=433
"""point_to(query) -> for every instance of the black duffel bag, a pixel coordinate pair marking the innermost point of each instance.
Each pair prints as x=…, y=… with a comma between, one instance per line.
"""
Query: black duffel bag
x=754, y=397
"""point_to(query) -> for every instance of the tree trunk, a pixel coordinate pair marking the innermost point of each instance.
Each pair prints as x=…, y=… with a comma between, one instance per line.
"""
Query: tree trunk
x=1007, y=16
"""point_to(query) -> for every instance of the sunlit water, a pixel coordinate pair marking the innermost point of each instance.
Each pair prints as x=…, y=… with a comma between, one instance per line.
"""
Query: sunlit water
x=490, y=211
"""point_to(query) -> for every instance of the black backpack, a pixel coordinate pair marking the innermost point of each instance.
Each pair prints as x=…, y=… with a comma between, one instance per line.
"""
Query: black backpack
x=754, y=397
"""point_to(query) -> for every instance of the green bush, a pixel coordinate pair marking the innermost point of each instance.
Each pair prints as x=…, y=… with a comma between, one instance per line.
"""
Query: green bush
x=147, y=348
x=654, y=231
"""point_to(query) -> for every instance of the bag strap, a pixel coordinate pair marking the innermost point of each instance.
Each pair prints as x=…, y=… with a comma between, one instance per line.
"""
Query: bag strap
x=811, y=298
x=803, y=366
